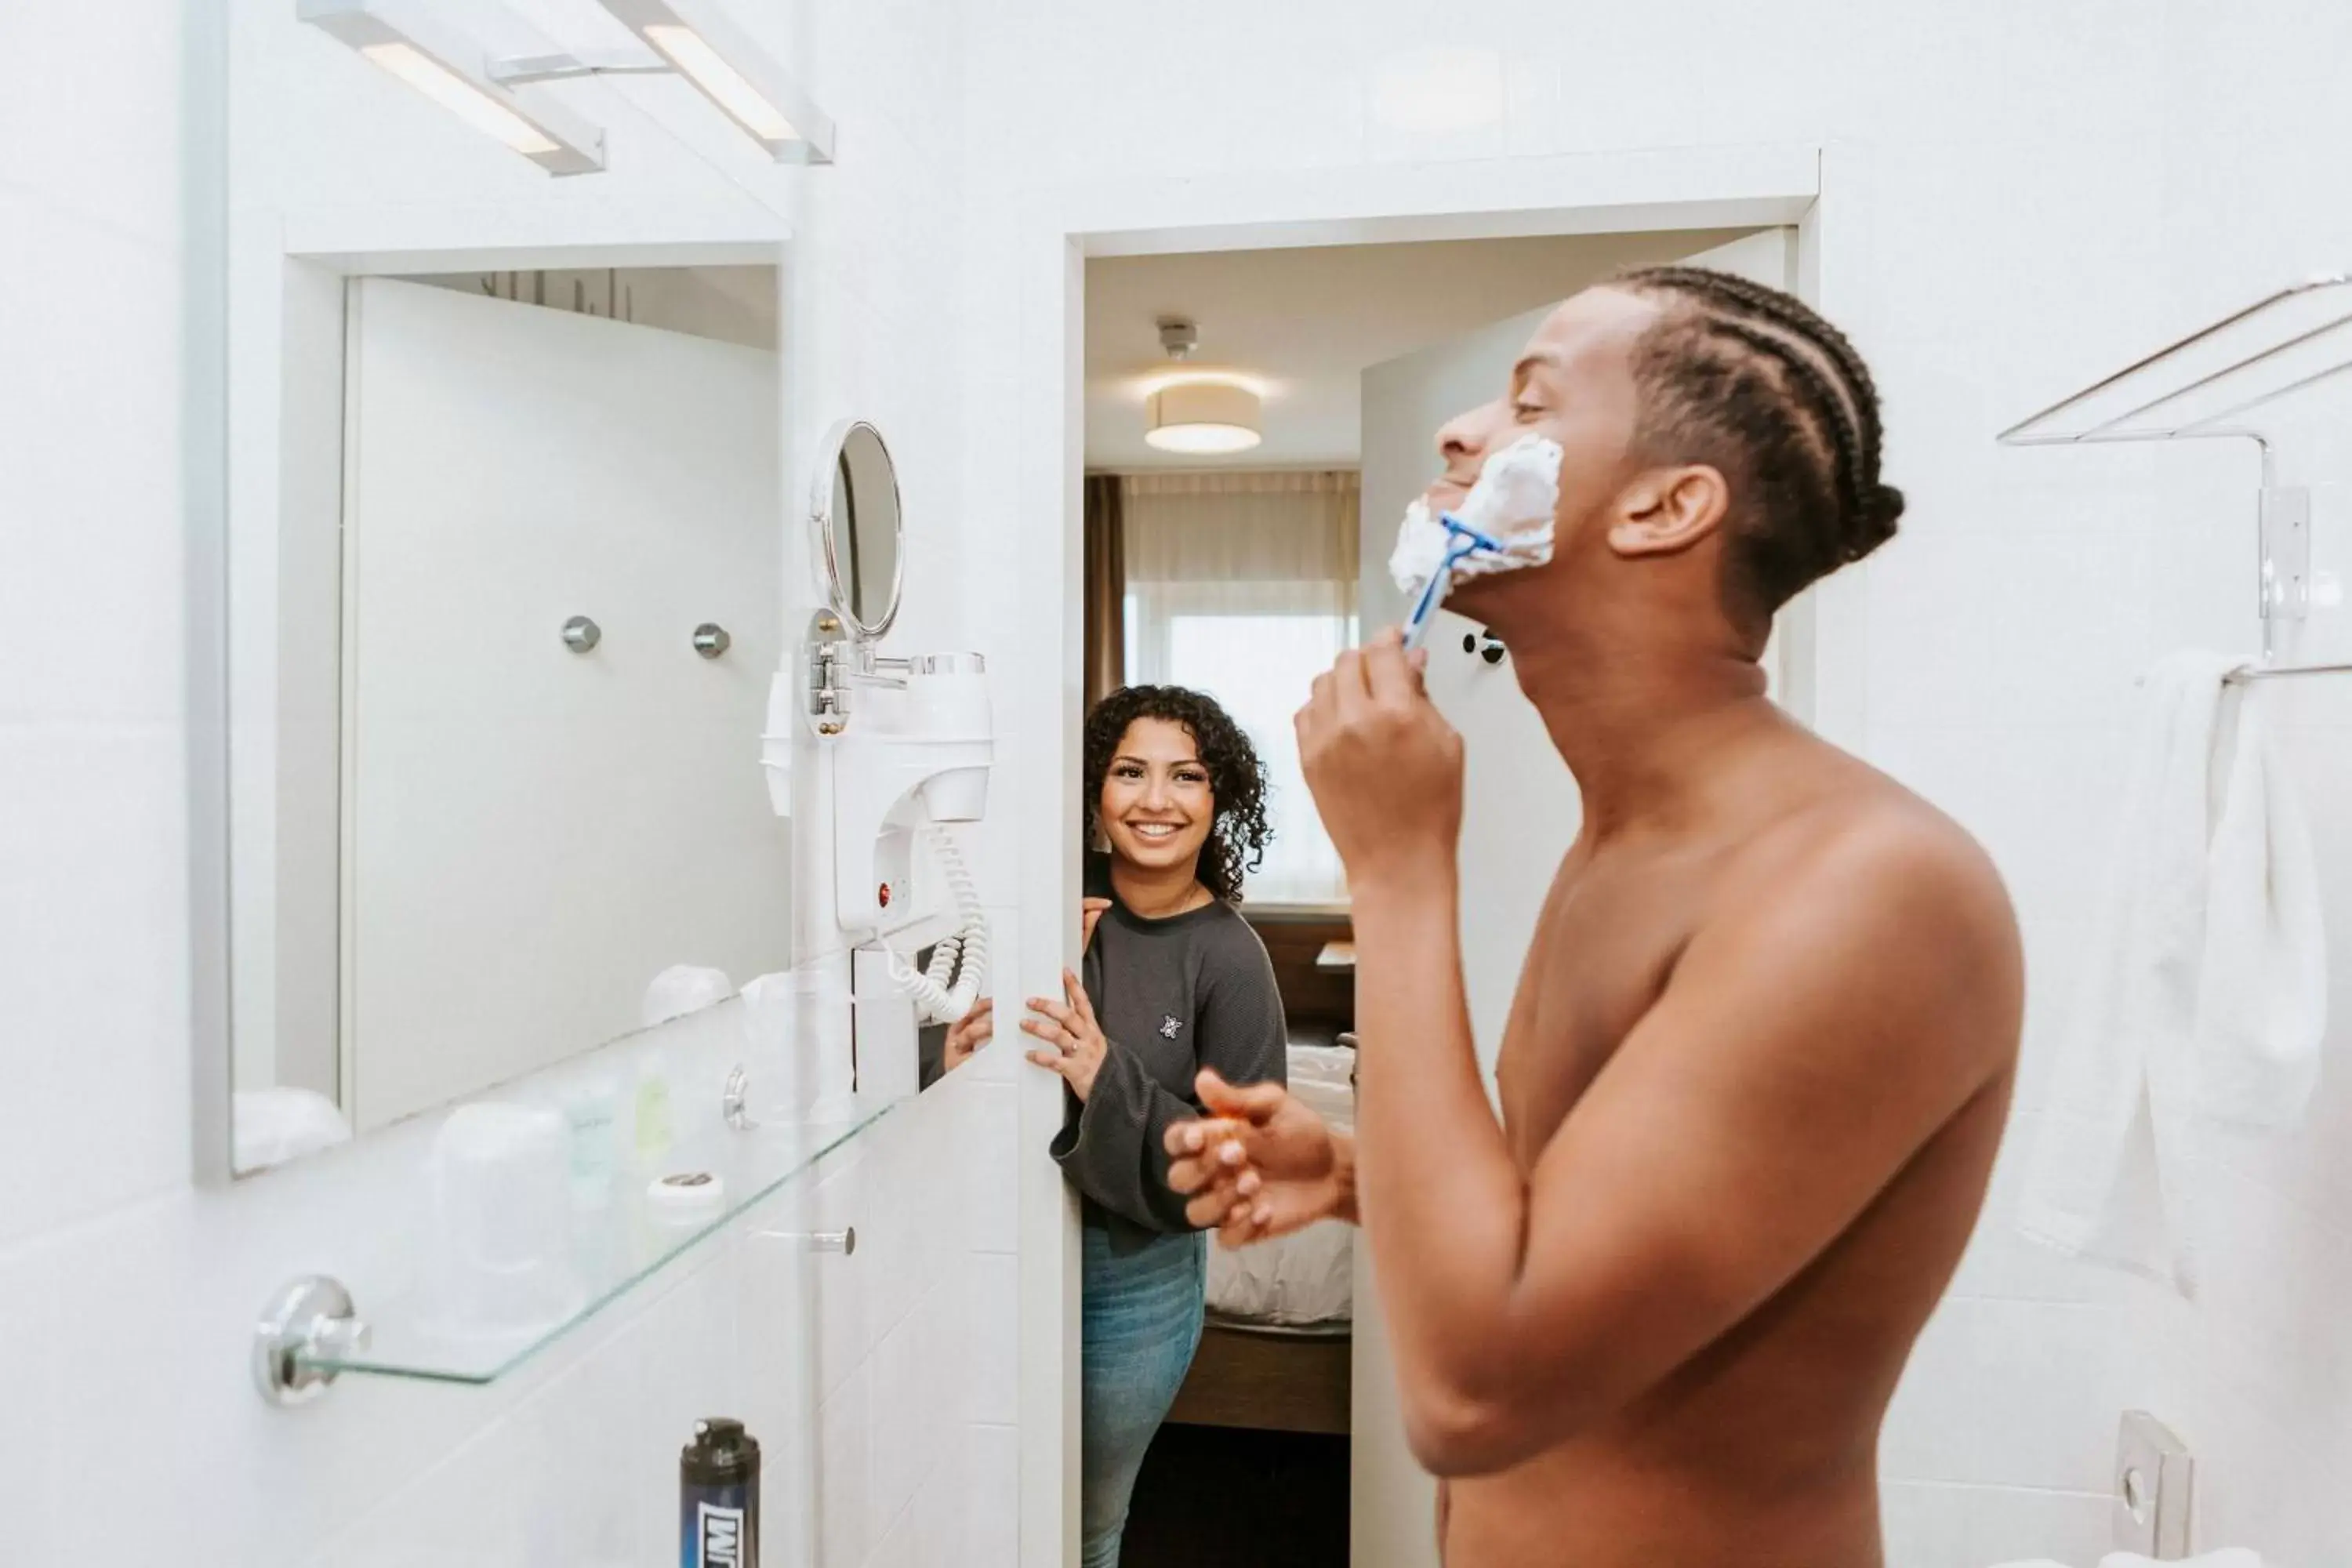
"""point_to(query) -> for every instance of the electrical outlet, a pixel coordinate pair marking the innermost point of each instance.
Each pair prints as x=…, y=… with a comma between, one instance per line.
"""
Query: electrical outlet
x=2155, y=1485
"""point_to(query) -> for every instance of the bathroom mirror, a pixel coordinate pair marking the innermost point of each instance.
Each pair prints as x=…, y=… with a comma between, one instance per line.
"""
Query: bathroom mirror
x=495, y=687
x=856, y=516
x=503, y=568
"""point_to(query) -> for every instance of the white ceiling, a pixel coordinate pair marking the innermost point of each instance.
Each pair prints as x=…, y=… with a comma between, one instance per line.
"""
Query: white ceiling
x=1304, y=323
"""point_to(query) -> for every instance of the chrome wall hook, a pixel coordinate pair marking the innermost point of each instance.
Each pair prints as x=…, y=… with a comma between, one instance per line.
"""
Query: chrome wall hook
x=710, y=640
x=580, y=633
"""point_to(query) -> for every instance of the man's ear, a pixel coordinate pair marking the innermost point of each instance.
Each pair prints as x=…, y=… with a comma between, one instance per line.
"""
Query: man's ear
x=1667, y=510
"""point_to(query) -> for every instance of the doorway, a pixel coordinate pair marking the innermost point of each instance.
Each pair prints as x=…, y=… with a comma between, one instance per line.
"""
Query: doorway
x=1241, y=572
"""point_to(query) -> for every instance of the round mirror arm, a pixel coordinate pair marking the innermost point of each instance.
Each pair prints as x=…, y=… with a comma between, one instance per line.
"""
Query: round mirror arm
x=882, y=671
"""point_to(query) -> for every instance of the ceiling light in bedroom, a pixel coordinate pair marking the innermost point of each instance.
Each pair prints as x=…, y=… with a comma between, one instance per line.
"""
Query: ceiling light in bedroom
x=1204, y=417
x=1198, y=415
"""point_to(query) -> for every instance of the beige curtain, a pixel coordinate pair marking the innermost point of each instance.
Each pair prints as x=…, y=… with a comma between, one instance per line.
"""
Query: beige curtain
x=1242, y=528
x=1244, y=585
x=1105, y=593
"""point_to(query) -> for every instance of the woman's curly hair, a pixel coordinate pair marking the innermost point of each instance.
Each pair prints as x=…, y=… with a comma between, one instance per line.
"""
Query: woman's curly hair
x=1239, y=835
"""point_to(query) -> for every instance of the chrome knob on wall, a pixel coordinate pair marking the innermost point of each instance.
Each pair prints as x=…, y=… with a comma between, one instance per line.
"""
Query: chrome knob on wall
x=710, y=639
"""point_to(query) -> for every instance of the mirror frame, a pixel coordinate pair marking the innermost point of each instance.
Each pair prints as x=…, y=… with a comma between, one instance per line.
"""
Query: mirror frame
x=821, y=518
x=204, y=489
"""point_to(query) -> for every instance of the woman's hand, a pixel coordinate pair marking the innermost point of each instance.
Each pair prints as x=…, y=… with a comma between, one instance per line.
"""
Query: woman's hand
x=1262, y=1165
x=1091, y=914
x=1069, y=1028
x=968, y=1033
x=1384, y=766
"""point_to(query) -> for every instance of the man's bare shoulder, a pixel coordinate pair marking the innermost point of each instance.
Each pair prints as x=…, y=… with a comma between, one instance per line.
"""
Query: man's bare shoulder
x=1865, y=867
x=1861, y=823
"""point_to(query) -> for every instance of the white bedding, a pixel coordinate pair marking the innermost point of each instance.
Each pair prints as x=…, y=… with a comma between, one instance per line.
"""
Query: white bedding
x=1307, y=1277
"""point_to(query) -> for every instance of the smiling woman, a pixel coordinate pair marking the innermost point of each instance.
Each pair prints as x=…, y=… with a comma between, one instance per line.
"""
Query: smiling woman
x=1176, y=982
x=1178, y=795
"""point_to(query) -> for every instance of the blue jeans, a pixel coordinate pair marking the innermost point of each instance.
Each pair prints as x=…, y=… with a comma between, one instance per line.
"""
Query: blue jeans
x=1141, y=1322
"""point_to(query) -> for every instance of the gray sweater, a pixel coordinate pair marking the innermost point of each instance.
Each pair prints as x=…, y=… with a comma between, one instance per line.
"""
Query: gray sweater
x=1172, y=996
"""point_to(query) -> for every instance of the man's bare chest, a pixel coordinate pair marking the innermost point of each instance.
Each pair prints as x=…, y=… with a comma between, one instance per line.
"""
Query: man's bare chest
x=1602, y=952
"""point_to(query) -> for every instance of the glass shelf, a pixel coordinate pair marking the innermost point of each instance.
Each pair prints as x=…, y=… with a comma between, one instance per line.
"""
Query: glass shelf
x=614, y=1248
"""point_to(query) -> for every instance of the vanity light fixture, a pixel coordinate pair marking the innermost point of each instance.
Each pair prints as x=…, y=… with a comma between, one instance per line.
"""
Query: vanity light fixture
x=411, y=42
x=702, y=44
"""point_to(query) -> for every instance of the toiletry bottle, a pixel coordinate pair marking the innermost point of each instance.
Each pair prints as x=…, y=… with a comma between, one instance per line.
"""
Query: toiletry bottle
x=719, y=1497
x=591, y=1111
x=651, y=1131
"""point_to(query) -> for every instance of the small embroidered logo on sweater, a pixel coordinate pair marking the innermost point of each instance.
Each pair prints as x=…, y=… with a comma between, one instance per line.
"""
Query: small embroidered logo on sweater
x=1170, y=1028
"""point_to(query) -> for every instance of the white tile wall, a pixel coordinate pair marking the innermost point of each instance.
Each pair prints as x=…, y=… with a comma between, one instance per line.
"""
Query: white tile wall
x=2039, y=194
x=125, y=1294
x=917, y=1361
x=2048, y=190
x=1932, y=1522
x=2257, y=1374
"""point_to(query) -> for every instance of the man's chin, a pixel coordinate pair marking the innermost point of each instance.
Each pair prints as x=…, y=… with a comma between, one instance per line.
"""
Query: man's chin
x=1499, y=600
x=1472, y=598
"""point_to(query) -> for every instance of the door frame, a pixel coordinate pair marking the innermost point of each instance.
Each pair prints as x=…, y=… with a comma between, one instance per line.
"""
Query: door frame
x=1057, y=231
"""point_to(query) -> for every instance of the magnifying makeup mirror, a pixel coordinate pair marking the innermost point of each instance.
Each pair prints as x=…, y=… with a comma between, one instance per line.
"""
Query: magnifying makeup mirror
x=855, y=510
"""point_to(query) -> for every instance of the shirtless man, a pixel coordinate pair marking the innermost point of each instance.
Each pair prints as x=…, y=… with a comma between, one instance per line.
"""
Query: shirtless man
x=1762, y=1045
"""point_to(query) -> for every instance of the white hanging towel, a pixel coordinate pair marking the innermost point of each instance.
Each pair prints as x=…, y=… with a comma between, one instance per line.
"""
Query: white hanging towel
x=2262, y=994
x=2204, y=993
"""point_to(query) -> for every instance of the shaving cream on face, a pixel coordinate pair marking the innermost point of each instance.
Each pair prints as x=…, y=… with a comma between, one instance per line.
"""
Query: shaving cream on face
x=1512, y=503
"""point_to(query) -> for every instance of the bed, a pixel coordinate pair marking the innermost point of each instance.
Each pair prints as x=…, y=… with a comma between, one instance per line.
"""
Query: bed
x=1275, y=1353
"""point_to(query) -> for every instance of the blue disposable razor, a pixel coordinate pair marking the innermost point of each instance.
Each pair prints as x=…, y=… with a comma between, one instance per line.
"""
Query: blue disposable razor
x=1466, y=542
